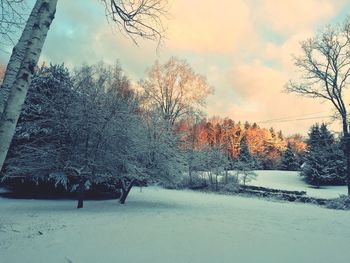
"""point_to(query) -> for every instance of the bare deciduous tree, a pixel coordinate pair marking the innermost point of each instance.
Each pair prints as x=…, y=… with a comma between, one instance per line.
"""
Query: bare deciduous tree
x=175, y=89
x=325, y=71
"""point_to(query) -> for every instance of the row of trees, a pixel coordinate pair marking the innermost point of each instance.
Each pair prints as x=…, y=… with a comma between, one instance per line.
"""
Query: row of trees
x=265, y=146
x=89, y=127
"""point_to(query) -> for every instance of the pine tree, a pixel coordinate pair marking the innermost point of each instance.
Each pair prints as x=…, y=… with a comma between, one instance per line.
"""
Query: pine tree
x=289, y=160
x=324, y=162
x=245, y=164
x=245, y=159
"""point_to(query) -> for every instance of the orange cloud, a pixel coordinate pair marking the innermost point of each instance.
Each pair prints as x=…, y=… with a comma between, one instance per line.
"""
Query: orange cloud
x=211, y=26
x=260, y=88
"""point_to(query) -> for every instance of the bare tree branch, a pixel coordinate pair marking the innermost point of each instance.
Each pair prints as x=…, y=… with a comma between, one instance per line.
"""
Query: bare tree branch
x=325, y=68
x=138, y=18
x=12, y=19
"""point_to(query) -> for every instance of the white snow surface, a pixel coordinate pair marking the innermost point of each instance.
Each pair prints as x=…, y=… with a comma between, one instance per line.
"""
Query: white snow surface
x=168, y=226
x=287, y=180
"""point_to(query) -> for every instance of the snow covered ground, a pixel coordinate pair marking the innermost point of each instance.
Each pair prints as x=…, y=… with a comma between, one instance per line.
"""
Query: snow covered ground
x=168, y=226
x=286, y=180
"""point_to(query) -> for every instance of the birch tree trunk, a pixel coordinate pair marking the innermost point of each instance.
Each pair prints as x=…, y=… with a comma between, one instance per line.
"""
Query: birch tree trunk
x=32, y=48
x=17, y=57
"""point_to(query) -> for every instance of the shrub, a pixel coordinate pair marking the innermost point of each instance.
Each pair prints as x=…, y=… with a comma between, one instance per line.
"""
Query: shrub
x=341, y=203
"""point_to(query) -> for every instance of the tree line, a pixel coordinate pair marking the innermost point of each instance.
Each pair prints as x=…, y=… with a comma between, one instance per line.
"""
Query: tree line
x=89, y=129
x=265, y=145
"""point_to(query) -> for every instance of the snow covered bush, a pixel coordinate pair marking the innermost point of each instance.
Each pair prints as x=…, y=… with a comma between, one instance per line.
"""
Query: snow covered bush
x=231, y=187
x=342, y=203
x=245, y=175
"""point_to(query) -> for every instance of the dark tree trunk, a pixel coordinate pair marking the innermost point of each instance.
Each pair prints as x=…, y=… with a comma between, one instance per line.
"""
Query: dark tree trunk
x=81, y=193
x=190, y=175
x=125, y=191
x=346, y=148
x=211, y=181
x=347, y=156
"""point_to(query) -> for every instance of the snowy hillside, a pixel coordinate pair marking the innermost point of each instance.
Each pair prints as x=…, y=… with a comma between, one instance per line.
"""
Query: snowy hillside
x=169, y=226
x=286, y=180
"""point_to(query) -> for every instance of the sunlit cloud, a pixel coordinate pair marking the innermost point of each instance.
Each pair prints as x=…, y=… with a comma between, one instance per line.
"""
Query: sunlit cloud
x=209, y=26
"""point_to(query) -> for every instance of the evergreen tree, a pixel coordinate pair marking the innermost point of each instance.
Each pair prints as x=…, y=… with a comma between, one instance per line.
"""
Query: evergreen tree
x=245, y=164
x=324, y=162
x=40, y=143
x=326, y=138
x=289, y=160
x=245, y=159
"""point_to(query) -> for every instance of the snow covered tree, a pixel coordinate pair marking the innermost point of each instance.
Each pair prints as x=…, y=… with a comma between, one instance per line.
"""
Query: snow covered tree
x=79, y=131
x=298, y=146
x=245, y=159
x=20, y=70
x=137, y=18
x=245, y=164
x=36, y=144
x=109, y=138
x=228, y=128
x=188, y=130
x=214, y=164
x=165, y=163
x=289, y=161
x=324, y=162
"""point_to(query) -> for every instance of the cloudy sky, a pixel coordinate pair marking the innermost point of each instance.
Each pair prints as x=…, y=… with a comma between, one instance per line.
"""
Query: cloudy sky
x=243, y=47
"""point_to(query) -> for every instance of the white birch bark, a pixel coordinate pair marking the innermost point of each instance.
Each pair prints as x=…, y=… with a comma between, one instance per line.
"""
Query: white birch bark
x=33, y=46
x=17, y=57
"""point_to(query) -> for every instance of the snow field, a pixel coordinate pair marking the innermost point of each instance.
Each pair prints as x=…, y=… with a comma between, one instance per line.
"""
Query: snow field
x=166, y=226
x=288, y=180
